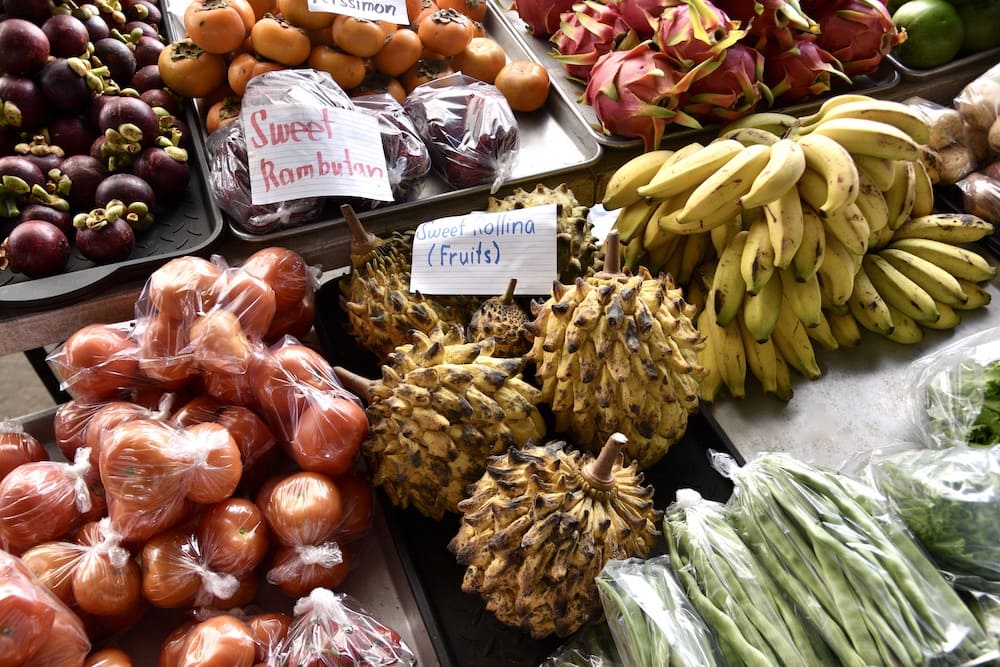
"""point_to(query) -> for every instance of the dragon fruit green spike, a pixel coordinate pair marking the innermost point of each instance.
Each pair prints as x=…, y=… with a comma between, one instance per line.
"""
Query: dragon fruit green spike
x=643, y=16
x=803, y=71
x=587, y=32
x=638, y=93
x=859, y=33
x=732, y=90
x=771, y=24
x=692, y=31
x=541, y=16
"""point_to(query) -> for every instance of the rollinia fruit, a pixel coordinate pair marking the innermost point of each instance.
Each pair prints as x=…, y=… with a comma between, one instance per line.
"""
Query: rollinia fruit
x=694, y=31
x=540, y=525
x=637, y=93
x=502, y=319
x=542, y=16
x=576, y=245
x=442, y=407
x=618, y=353
x=587, y=32
x=732, y=90
x=858, y=33
x=805, y=70
x=375, y=296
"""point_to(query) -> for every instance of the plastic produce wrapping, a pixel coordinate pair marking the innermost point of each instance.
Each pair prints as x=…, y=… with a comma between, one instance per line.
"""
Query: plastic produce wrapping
x=651, y=618
x=469, y=128
x=98, y=362
x=17, y=447
x=252, y=435
x=39, y=630
x=957, y=392
x=222, y=639
x=333, y=629
x=949, y=499
x=591, y=646
x=979, y=104
x=754, y=621
x=406, y=155
x=981, y=196
x=986, y=608
x=850, y=566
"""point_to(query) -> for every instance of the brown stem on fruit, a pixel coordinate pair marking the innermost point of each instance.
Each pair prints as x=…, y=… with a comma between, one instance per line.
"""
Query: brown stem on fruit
x=508, y=296
x=358, y=384
x=612, y=253
x=362, y=241
x=598, y=472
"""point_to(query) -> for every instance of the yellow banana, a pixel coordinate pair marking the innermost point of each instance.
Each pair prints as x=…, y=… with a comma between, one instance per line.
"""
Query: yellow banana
x=956, y=260
x=761, y=361
x=785, y=226
x=711, y=381
x=823, y=334
x=905, y=329
x=895, y=114
x=879, y=169
x=729, y=182
x=844, y=328
x=622, y=187
x=722, y=216
x=632, y=219
x=879, y=239
x=898, y=291
x=803, y=298
x=653, y=237
x=723, y=234
x=937, y=282
x=869, y=137
x=691, y=170
x=978, y=295
x=830, y=104
x=728, y=288
x=872, y=204
x=757, y=261
x=696, y=248
x=792, y=341
x=850, y=228
x=946, y=227
x=836, y=274
x=867, y=305
x=949, y=318
x=830, y=160
x=809, y=255
x=665, y=258
x=781, y=173
x=760, y=311
x=784, y=377
x=901, y=195
x=730, y=356
x=775, y=122
x=923, y=191
x=748, y=136
x=633, y=255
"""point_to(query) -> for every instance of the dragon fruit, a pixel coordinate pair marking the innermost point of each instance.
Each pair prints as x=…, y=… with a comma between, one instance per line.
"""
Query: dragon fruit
x=542, y=16
x=859, y=33
x=642, y=16
x=803, y=71
x=771, y=24
x=732, y=90
x=693, y=31
x=638, y=93
x=586, y=33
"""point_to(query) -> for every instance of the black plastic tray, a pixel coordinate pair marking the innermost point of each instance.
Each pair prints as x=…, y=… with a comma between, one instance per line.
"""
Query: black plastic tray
x=463, y=632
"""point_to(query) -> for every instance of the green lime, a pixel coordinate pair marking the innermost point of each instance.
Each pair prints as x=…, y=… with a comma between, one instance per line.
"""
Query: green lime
x=982, y=25
x=934, y=33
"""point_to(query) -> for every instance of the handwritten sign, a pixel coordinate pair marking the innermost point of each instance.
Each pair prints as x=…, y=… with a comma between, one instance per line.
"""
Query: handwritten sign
x=306, y=150
x=393, y=11
x=480, y=252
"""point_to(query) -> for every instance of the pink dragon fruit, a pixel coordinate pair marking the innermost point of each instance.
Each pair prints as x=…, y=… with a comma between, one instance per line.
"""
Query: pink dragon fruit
x=859, y=33
x=771, y=24
x=803, y=71
x=642, y=16
x=638, y=93
x=541, y=16
x=586, y=33
x=732, y=90
x=693, y=31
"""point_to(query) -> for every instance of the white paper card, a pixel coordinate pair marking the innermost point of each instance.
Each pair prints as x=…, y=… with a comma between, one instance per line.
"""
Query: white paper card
x=308, y=150
x=478, y=253
x=393, y=11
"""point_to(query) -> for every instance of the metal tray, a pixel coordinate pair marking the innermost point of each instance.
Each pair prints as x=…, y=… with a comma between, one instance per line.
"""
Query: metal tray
x=987, y=57
x=879, y=81
x=462, y=631
x=553, y=140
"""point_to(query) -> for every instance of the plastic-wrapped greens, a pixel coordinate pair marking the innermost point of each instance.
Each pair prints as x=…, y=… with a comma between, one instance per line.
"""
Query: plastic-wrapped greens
x=651, y=619
x=986, y=608
x=754, y=621
x=851, y=567
x=590, y=646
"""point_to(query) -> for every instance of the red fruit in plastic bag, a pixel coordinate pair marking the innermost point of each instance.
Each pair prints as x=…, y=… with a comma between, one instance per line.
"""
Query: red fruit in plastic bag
x=184, y=286
x=220, y=344
x=139, y=465
x=98, y=362
x=267, y=631
x=164, y=349
x=25, y=618
x=298, y=570
x=168, y=578
x=216, y=463
x=303, y=508
x=220, y=641
x=18, y=447
x=251, y=299
x=284, y=270
x=328, y=434
x=109, y=657
x=233, y=536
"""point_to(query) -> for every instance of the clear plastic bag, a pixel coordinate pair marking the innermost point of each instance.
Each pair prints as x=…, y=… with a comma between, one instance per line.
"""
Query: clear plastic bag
x=981, y=196
x=850, y=566
x=957, y=392
x=333, y=629
x=406, y=155
x=17, y=447
x=468, y=127
x=590, y=646
x=98, y=362
x=651, y=618
x=731, y=589
x=979, y=100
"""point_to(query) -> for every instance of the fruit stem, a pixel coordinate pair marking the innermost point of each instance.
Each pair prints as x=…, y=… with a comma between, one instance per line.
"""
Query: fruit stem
x=598, y=472
x=358, y=384
x=362, y=241
x=508, y=296
x=612, y=253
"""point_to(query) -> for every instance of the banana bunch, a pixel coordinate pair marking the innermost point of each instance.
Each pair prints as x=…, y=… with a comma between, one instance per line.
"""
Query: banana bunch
x=790, y=232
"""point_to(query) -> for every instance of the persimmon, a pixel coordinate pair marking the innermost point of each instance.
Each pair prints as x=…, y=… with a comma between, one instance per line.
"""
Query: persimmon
x=446, y=31
x=360, y=37
x=297, y=13
x=244, y=67
x=401, y=51
x=524, y=83
x=328, y=435
x=98, y=362
x=417, y=9
x=474, y=9
x=276, y=39
x=380, y=83
x=168, y=580
x=218, y=26
x=347, y=69
x=424, y=71
x=482, y=59
x=189, y=70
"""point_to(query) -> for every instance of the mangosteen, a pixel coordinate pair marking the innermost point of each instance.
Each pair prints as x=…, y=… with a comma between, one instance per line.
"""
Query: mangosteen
x=104, y=235
x=22, y=103
x=35, y=248
x=24, y=48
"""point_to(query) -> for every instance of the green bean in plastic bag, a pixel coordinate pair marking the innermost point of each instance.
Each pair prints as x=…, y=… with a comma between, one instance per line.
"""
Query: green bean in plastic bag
x=590, y=646
x=650, y=617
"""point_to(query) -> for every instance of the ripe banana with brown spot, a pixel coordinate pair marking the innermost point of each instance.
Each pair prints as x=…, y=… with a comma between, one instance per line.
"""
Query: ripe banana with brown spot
x=690, y=170
x=923, y=191
x=823, y=334
x=836, y=274
x=830, y=104
x=785, y=226
x=633, y=218
x=872, y=204
x=697, y=248
x=760, y=310
x=905, y=329
x=978, y=295
x=622, y=187
x=807, y=259
x=757, y=261
x=724, y=233
x=937, y=282
x=869, y=137
x=895, y=114
x=901, y=195
x=850, y=228
x=956, y=260
x=728, y=288
x=879, y=169
x=711, y=381
x=792, y=341
x=750, y=136
x=946, y=227
x=844, y=328
x=899, y=291
x=803, y=298
x=774, y=122
x=867, y=305
x=949, y=318
x=784, y=377
x=781, y=173
x=833, y=162
x=761, y=360
x=728, y=183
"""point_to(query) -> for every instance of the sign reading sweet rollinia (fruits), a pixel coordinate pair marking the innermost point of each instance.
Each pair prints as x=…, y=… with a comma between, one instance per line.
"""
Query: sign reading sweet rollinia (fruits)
x=480, y=252
x=393, y=11
x=306, y=150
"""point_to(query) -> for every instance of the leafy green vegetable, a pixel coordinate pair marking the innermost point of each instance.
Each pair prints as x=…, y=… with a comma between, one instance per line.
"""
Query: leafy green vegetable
x=986, y=428
x=962, y=404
